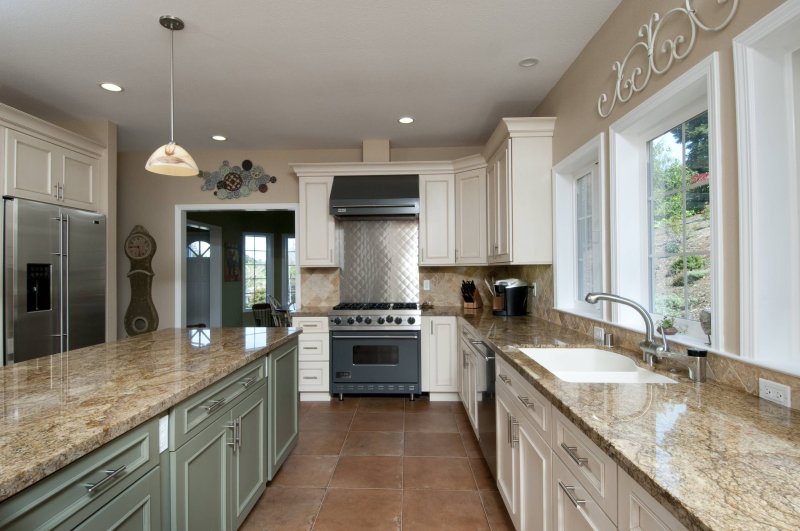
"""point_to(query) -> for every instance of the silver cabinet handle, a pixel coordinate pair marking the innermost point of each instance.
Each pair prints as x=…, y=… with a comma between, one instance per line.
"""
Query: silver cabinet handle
x=514, y=432
x=111, y=476
x=238, y=433
x=508, y=427
x=214, y=405
x=232, y=443
x=309, y=377
x=572, y=451
x=247, y=381
x=505, y=378
x=526, y=402
x=570, y=492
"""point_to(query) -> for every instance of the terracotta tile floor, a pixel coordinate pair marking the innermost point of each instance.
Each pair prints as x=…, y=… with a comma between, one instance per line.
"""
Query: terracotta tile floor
x=382, y=464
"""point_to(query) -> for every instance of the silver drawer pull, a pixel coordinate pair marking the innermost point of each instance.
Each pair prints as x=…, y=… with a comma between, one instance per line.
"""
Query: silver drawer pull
x=214, y=405
x=505, y=378
x=526, y=402
x=310, y=348
x=111, y=475
x=247, y=381
x=309, y=377
x=572, y=451
x=570, y=492
x=514, y=432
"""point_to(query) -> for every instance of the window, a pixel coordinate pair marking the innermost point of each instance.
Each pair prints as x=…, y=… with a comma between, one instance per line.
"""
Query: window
x=578, y=220
x=666, y=232
x=258, y=268
x=680, y=224
x=767, y=79
x=290, y=275
x=198, y=249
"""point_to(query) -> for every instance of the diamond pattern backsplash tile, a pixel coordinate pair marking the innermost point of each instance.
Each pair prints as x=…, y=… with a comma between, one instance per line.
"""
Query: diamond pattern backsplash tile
x=379, y=261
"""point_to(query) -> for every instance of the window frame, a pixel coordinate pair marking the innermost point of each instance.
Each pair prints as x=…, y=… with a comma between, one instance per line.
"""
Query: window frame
x=590, y=156
x=285, y=273
x=270, y=280
x=685, y=97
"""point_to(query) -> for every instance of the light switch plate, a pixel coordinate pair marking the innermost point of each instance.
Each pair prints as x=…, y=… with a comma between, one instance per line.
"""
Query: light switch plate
x=775, y=392
x=426, y=285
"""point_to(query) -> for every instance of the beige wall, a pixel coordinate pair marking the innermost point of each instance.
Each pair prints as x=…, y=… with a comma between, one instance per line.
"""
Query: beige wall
x=574, y=102
x=149, y=200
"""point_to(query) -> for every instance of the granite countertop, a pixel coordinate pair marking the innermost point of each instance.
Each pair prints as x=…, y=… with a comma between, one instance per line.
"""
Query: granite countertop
x=717, y=457
x=56, y=409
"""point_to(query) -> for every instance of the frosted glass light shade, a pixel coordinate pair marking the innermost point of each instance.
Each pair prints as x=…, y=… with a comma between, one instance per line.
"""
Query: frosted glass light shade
x=171, y=159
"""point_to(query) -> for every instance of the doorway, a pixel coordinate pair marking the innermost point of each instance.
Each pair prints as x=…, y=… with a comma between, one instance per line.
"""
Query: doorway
x=237, y=269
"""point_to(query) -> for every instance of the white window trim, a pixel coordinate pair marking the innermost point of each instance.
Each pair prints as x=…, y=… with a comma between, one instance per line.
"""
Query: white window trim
x=767, y=75
x=270, y=259
x=688, y=95
x=285, y=272
x=565, y=174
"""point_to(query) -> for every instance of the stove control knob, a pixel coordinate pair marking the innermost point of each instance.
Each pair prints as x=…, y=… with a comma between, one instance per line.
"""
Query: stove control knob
x=389, y=319
x=367, y=320
x=381, y=320
x=350, y=320
x=411, y=320
x=337, y=320
x=359, y=318
x=398, y=320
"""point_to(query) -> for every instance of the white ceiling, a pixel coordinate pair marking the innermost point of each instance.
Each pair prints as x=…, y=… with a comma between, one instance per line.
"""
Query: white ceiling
x=292, y=74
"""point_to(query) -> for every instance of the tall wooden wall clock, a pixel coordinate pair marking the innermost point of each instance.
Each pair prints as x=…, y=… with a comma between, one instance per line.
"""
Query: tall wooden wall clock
x=141, y=315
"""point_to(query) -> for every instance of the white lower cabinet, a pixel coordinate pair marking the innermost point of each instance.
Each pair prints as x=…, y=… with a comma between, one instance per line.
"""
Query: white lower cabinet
x=574, y=508
x=313, y=352
x=439, y=359
x=640, y=511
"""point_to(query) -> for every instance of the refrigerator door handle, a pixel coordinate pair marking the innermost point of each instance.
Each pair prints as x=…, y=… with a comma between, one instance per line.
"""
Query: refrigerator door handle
x=65, y=289
x=61, y=273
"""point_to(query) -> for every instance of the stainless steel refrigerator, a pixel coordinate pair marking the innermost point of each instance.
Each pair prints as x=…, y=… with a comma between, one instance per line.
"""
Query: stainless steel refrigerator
x=54, y=279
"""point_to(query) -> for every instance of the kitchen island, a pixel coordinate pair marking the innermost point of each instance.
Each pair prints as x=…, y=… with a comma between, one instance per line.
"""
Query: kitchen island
x=60, y=408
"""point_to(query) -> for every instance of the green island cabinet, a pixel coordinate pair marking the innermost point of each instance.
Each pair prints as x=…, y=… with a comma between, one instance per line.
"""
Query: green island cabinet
x=224, y=444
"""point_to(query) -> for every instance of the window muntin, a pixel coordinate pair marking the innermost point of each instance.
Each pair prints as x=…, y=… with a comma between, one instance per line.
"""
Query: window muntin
x=679, y=204
x=588, y=257
x=290, y=288
x=199, y=249
x=258, y=271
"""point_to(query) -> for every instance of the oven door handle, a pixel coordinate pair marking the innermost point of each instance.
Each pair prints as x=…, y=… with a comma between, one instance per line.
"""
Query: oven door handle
x=375, y=337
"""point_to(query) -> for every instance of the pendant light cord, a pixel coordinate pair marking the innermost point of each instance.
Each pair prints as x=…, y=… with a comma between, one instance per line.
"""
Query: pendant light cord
x=172, y=86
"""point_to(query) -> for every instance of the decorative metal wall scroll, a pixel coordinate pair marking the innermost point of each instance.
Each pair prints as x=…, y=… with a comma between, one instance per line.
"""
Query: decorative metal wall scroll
x=233, y=182
x=672, y=49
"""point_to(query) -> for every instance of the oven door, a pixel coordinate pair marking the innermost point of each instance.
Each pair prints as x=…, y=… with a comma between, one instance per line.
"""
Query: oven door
x=375, y=357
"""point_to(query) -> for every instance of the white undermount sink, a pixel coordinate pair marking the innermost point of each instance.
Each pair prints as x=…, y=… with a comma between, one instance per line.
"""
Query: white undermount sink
x=592, y=365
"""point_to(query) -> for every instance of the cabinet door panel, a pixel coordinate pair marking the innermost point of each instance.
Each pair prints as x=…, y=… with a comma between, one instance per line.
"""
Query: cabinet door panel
x=579, y=513
x=249, y=465
x=503, y=207
x=283, y=406
x=535, y=461
x=200, y=470
x=507, y=462
x=136, y=509
x=443, y=368
x=317, y=227
x=471, y=217
x=31, y=170
x=80, y=177
x=639, y=510
x=437, y=220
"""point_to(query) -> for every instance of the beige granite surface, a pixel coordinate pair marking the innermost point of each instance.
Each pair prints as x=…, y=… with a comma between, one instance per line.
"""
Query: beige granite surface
x=717, y=457
x=56, y=409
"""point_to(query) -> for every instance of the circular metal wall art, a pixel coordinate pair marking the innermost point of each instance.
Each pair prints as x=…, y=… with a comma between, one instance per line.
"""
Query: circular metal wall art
x=233, y=182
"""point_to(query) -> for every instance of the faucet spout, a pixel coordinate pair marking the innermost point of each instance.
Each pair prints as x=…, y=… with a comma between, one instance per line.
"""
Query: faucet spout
x=650, y=349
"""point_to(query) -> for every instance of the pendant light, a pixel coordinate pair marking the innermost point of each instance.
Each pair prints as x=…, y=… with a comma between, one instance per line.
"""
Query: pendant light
x=171, y=159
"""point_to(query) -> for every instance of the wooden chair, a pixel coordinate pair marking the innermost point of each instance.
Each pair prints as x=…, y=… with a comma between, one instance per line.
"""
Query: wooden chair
x=280, y=317
x=261, y=314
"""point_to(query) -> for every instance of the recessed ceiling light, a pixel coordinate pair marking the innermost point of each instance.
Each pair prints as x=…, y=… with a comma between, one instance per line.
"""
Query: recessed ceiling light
x=111, y=87
x=529, y=62
x=406, y=120
x=219, y=138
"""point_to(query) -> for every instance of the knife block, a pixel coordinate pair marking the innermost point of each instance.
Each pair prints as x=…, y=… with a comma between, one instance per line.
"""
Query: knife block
x=476, y=303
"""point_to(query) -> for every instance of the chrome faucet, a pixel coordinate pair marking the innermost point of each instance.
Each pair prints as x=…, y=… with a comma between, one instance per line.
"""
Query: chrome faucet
x=652, y=351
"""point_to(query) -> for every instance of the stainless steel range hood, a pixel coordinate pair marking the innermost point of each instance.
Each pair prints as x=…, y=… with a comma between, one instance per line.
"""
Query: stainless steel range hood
x=375, y=196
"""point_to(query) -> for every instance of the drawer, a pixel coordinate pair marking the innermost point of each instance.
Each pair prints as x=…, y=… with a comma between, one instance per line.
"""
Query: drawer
x=311, y=324
x=639, y=510
x=196, y=412
x=85, y=485
x=575, y=507
x=313, y=347
x=314, y=376
x=595, y=470
x=532, y=404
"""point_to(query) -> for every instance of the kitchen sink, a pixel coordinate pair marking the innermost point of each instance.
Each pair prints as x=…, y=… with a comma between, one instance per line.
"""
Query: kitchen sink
x=592, y=365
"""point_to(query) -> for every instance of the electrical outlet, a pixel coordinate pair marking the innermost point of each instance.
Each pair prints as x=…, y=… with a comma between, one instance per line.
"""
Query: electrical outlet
x=534, y=290
x=599, y=334
x=775, y=392
x=426, y=285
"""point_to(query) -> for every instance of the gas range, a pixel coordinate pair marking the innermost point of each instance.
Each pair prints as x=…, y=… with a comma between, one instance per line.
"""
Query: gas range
x=375, y=316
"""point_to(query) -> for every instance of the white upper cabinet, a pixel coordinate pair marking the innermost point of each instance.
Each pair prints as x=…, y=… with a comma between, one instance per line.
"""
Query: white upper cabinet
x=43, y=171
x=437, y=233
x=316, y=237
x=519, y=199
x=471, y=215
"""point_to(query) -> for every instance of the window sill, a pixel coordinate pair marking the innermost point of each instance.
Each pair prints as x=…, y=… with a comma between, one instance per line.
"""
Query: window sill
x=580, y=312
